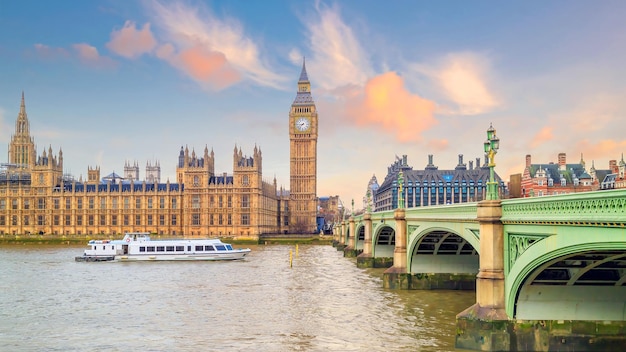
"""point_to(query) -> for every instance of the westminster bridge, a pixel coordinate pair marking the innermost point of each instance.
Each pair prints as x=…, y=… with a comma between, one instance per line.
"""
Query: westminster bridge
x=549, y=272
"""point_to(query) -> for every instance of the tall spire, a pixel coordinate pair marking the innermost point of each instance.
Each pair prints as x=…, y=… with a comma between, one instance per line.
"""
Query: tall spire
x=303, y=96
x=303, y=76
x=22, y=125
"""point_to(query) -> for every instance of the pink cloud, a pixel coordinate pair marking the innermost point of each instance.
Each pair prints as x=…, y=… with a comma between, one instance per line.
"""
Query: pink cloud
x=48, y=52
x=544, y=135
x=438, y=144
x=130, y=42
x=89, y=55
x=605, y=149
x=207, y=67
x=385, y=103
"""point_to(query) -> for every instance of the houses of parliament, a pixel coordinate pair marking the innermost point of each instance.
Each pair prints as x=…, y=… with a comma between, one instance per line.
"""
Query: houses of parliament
x=36, y=197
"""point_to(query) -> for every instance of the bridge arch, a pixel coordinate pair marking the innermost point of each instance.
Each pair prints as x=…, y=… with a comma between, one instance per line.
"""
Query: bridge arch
x=576, y=274
x=359, y=239
x=383, y=241
x=442, y=250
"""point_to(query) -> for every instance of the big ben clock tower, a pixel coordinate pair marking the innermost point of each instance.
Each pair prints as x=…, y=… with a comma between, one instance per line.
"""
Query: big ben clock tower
x=303, y=159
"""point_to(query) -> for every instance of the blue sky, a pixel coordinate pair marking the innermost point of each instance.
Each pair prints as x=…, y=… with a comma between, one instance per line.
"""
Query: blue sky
x=116, y=81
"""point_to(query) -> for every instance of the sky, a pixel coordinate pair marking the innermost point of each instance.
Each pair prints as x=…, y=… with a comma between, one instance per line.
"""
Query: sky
x=116, y=81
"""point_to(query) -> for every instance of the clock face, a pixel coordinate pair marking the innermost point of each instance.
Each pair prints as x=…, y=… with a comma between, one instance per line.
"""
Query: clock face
x=303, y=124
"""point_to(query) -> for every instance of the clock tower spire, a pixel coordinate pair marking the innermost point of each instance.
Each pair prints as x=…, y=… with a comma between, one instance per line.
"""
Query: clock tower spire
x=303, y=159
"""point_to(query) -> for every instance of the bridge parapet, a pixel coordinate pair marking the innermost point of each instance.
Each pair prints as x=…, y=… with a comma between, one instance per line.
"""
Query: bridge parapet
x=601, y=208
x=457, y=212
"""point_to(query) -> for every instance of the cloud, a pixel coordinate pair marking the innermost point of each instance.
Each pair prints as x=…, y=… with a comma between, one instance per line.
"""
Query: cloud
x=462, y=78
x=605, y=149
x=338, y=57
x=438, y=144
x=47, y=52
x=544, y=135
x=130, y=42
x=385, y=103
x=187, y=29
x=89, y=55
x=209, y=67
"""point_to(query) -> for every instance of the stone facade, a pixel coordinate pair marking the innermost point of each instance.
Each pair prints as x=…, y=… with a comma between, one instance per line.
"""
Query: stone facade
x=432, y=186
x=37, y=198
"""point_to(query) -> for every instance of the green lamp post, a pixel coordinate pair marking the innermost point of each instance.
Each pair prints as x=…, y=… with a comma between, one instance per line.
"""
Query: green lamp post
x=492, y=144
x=400, y=190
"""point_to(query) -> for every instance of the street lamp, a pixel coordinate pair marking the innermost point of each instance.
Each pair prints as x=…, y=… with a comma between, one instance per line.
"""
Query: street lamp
x=400, y=190
x=492, y=144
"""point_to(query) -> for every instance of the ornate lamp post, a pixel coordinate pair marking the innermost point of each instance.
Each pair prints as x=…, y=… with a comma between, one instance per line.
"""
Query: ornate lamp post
x=492, y=144
x=400, y=190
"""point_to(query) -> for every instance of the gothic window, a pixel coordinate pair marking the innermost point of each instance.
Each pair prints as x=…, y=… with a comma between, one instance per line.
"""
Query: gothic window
x=245, y=219
x=91, y=203
x=195, y=201
x=162, y=202
x=245, y=201
x=114, y=220
x=245, y=180
x=126, y=203
x=79, y=220
x=102, y=220
x=150, y=203
x=90, y=220
x=68, y=220
x=26, y=204
x=195, y=219
x=230, y=201
x=196, y=181
x=138, y=203
x=41, y=203
x=173, y=220
x=103, y=203
x=150, y=220
x=137, y=220
x=174, y=204
x=68, y=203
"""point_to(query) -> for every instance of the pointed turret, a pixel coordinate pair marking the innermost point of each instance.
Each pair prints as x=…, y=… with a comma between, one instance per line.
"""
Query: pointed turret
x=303, y=75
x=303, y=96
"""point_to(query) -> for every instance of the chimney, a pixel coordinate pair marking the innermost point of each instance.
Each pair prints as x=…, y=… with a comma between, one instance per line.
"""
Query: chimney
x=562, y=161
x=471, y=165
x=613, y=166
x=528, y=162
x=478, y=163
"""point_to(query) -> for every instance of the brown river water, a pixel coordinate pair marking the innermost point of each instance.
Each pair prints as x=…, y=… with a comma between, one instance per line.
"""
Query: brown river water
x=322, y=302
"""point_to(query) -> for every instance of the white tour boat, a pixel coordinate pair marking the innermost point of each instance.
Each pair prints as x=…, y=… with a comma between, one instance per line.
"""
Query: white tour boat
x=137, y=246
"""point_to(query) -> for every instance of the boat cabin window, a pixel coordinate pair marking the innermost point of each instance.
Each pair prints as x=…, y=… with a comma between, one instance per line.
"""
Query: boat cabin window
x=169, y=248
x=160, y=248
x=209, y=248
x=199, y=248
x=180, y=248
x=229, y=247
x=220, y=247
x=142, y=249
x=188, y=248
x=149, y=249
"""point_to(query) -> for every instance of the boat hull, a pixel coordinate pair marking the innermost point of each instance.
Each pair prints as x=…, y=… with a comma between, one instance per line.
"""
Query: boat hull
x=232, y=255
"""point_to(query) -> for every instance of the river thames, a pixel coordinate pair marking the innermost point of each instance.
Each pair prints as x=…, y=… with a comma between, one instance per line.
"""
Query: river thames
x=323, y=302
